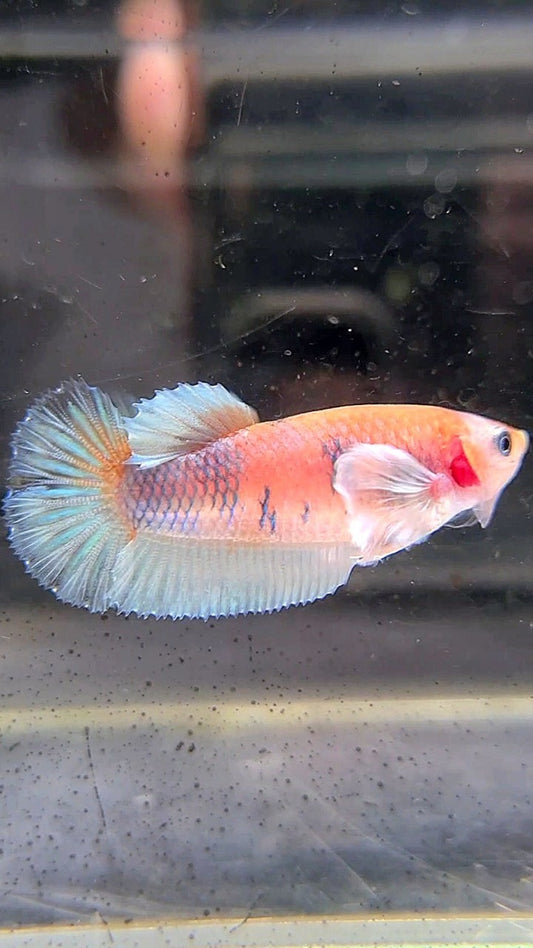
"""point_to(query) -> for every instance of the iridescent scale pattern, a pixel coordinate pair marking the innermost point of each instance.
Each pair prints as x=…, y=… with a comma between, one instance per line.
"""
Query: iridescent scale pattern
x=181, y=496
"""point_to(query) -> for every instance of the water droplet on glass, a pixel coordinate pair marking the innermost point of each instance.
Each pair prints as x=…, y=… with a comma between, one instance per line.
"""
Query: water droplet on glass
x=434, y=206
x=446, y=180
x=416, y=164
x=428, y=273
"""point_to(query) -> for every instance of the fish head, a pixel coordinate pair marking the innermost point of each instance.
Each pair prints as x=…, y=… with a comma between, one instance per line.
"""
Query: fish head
x=485, y=458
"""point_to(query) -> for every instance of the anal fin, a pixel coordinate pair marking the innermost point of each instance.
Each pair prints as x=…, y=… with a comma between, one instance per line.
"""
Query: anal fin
x=165, y=576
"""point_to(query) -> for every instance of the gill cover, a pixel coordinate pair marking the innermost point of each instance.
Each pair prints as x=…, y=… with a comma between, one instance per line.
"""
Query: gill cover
x=461, y=469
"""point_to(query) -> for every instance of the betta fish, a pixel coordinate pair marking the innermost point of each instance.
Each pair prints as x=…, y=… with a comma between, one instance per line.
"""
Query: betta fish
x=193, y=507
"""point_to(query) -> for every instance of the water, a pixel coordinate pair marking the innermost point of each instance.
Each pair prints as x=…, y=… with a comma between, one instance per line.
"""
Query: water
x=344, y=239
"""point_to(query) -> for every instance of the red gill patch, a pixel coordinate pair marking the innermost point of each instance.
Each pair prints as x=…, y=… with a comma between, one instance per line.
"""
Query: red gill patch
x=460, y=468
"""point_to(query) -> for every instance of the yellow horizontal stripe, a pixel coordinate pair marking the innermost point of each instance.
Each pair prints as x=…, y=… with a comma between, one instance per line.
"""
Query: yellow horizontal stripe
x=278, y=716
x=356, y=932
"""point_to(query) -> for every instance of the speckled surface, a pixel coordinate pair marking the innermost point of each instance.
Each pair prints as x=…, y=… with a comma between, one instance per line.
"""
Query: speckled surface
x=347, y=757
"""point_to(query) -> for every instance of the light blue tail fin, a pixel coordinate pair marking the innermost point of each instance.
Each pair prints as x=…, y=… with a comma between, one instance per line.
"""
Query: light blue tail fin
x=62, y=513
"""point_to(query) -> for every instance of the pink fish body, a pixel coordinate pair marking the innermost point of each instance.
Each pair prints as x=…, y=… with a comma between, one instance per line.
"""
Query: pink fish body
x=195, y=508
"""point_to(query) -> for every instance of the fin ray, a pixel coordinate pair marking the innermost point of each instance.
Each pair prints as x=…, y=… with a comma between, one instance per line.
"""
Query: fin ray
x=178, y=421
x=169, y=577
x=61, y=515
x=466, y=518
x=387, y=493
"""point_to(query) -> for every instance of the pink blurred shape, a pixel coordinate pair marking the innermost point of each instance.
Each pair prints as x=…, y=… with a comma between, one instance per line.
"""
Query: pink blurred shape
x=157, y=90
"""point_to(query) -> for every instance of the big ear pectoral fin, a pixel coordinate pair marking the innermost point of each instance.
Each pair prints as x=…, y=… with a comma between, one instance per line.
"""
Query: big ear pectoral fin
x=388, y=495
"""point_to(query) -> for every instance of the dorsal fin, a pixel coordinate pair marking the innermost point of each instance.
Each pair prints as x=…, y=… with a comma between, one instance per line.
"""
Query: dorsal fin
x=178, y=421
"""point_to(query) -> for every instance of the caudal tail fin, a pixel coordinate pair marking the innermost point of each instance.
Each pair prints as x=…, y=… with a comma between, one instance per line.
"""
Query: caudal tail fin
x=62, y=512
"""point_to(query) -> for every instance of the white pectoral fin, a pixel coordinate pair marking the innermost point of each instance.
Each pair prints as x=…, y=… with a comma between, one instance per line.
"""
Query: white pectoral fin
x=177, y=421
x=388, y=495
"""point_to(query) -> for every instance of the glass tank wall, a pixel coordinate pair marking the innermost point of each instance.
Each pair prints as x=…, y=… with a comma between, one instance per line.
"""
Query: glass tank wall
x=315, y=204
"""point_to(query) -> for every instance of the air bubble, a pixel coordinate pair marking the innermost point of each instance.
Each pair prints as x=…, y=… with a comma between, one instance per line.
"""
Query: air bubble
x=446, y=180
x=416, y=164
x=434, y=206
x=428, y=273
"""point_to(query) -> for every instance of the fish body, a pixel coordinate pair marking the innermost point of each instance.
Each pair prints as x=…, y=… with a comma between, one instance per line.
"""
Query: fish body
x=193, y=507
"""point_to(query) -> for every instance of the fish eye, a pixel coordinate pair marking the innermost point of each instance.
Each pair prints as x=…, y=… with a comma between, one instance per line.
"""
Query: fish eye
x=504, y=443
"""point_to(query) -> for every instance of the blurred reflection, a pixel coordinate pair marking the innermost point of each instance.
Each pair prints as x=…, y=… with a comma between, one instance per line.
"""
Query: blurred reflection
x=159, y=101
x=299, y=348
x=160, y=114
x=503, y=293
